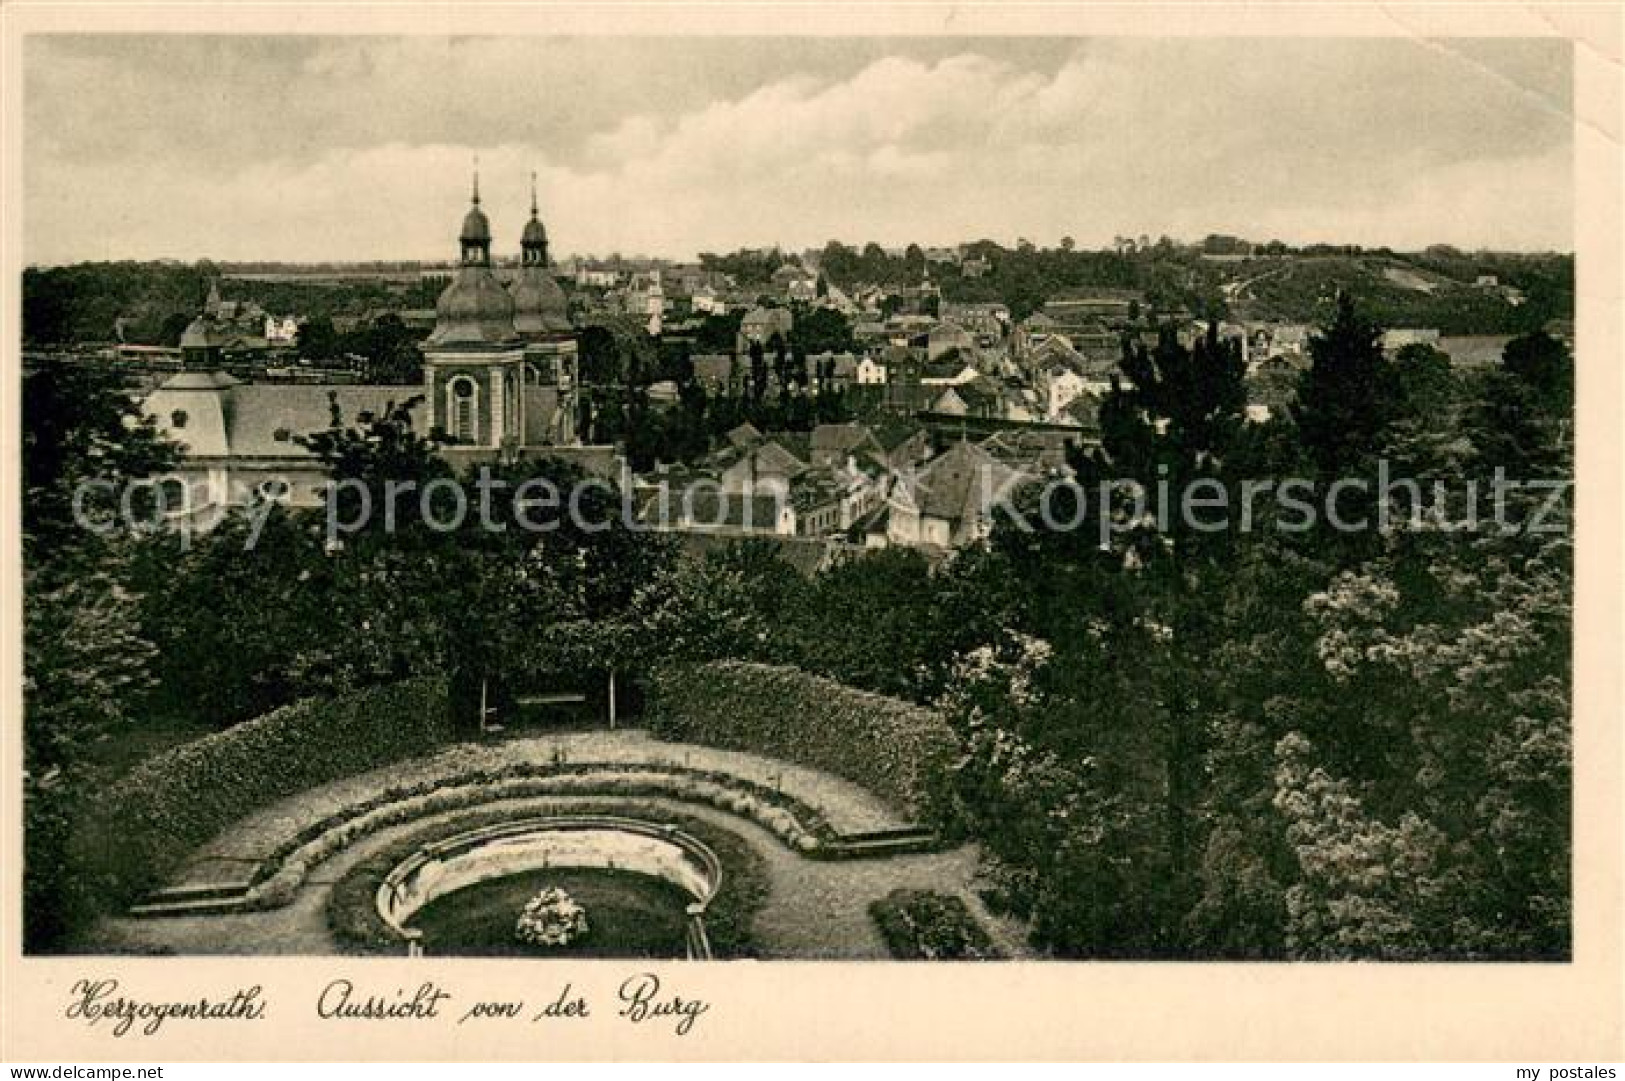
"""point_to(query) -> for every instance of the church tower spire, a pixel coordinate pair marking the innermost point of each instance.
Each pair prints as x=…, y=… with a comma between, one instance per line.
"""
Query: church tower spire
x=533, y=241
x=476, y=234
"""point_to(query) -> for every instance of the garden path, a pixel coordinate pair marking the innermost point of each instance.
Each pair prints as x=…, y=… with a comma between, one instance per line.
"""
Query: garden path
x=814, y=909
x=232, y=857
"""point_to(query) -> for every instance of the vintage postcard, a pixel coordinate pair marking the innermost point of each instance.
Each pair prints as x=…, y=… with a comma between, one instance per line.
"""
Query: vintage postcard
x=766, y=531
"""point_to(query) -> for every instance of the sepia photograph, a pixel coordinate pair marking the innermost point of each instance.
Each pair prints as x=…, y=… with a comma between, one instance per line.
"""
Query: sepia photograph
x=664, y=497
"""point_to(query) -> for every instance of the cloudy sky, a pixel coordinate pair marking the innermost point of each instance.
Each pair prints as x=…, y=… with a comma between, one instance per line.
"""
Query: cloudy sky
x=360, y=148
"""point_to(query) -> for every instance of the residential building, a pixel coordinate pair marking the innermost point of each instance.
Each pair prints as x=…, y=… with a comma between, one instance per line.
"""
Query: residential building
x=952, y=501
x=282, y=330
x=975, y=267
x=949, y=337
x=763, y=324
x=870, y=372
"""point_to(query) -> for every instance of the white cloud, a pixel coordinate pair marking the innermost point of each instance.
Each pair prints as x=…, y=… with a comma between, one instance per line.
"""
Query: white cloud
x=1365, y=142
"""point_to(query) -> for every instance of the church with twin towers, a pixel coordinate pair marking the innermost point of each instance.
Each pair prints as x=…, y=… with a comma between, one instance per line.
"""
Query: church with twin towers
x=500, y=366
x=500, y=381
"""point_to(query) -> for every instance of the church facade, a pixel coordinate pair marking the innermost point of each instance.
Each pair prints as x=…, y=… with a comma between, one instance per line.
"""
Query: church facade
x=500, y=381
x=500, y=368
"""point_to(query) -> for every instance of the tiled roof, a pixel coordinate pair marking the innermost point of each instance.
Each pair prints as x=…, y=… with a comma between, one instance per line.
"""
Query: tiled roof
x=952, y=486
x=708, y=508
x=225, y=418
x=744, y=435
x=790, y=449
x=806, y=554
x=839, y=439
x=716, y=366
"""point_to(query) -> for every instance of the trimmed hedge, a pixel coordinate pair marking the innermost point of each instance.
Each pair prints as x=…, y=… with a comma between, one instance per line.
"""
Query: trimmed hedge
x=920, y=925
x=894, y=749
x=178, y=800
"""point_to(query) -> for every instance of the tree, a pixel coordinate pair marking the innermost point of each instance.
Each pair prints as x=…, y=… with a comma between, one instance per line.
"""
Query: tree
x=718, y=333
x=1521, y=420
x=83, y=435
x=174, y=326
x=1133, y=624
x=1369, y=889
x=1345, y=398
x=317, y=340
x=1442, y=831
x=86, y=666
x=600, y=359
x=224, y=654
x=1544, y=365
x=391, y=352
x=891, y=596
x=724, y=605
x=1420, y=440
x=378, y=448
x=822, y=330
x=1424, y=386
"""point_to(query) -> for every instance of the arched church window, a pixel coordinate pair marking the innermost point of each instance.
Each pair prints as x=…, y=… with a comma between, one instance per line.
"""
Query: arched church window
x=464, y=409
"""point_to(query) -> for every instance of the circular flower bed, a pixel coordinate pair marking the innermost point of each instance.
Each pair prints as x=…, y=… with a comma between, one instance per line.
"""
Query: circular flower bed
x=480, y=921
x=551, y=918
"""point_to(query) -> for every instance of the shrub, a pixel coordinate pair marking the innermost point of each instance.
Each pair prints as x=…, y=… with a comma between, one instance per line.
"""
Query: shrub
x=896, y=750
x=58, y=897
x=352, y=909
x=175, y=801
x=919, y=925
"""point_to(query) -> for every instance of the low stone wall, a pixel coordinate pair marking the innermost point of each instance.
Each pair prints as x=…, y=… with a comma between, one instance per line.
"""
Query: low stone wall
x=577, y=841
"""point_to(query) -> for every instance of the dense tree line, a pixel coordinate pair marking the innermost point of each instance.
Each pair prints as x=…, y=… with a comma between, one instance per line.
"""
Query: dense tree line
x=383, y=350
x=87, y=302
x=1275, y=744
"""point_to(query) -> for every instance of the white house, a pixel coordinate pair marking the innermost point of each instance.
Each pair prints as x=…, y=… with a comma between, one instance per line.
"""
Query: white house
x=281, y=331
x=871, y=373
x=952, y=501
x=1059, y=385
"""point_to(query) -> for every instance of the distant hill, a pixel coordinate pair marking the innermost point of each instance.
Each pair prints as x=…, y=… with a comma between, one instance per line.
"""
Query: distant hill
x=1397, y=291
x=86, y=301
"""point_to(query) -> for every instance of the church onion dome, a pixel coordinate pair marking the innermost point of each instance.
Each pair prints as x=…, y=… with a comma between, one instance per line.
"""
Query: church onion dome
x=540, y=306
x=476, y=227
x=475, y=224
x=473, y=310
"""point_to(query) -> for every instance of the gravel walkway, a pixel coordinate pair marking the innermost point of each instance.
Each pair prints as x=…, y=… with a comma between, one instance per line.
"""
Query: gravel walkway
x=231, y=858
